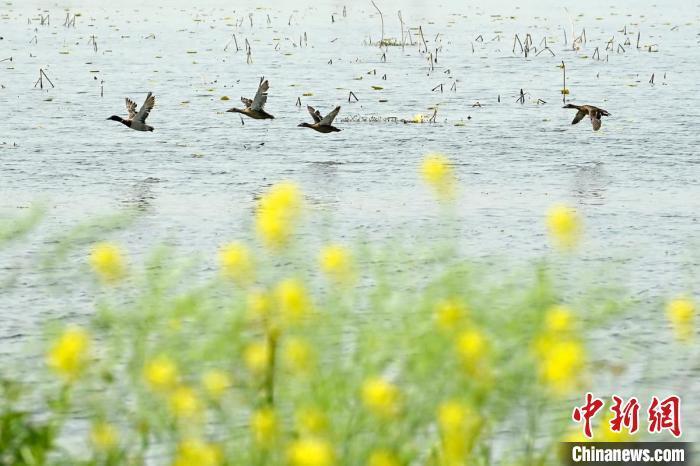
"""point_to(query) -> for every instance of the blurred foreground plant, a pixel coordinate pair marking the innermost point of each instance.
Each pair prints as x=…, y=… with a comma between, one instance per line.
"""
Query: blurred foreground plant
x=331, y=356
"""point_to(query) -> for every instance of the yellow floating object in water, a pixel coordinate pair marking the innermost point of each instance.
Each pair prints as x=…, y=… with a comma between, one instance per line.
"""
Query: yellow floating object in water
x=377, y=88
x=225, y=97
x=565, y=91
x=308, y=94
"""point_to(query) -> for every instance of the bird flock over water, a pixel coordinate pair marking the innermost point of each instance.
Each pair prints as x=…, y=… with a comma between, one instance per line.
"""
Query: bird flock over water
x=255, y=108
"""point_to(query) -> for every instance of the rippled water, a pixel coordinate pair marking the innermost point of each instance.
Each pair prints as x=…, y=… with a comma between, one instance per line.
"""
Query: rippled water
x=195, y=179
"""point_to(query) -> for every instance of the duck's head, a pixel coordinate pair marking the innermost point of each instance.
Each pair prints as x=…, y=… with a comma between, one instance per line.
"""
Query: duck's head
x=234, y=110
x=569, y=106
x=304, y=125
x=115, y=118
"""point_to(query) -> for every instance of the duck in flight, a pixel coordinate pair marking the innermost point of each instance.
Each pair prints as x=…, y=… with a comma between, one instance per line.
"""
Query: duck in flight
x=595, y=113
x=322, y=124
x=255, y=108
x=137, y=120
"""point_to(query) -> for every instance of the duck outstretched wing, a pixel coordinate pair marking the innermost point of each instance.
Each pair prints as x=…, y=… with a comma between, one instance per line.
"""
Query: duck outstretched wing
x=328, y=119
x=146, y=108
x=315, y=114
x=579, y=116
x=260, y=96
x=130, y=108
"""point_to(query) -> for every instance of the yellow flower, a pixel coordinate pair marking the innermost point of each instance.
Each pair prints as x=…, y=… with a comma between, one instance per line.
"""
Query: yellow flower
x=383, y=458
x=472, y=346
x=564, y=226
x=561, y=365
x=258, y=305
x=437, y=172
x=216, y=382
x=194, y=452
x=311, y=421
x=107, y=262
x=336, y=262
x=604, y=432
x=236, y=262
x=184, y=403
x=452, y=416
x=449, y=314
x=104, y=436
x=68, y=355
x=257, y=356
x=459, y=426
x=263, y=424
x=161, y=373
x=681, y=314
x=298, y=355
x=277, y=214
x=292, y=300
x=559, y=319
x=310, y=452
x=381, y=397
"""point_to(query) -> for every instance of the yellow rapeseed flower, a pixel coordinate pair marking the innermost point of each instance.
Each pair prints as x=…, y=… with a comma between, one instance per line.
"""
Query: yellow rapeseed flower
x=472, y=347
x=68, y=355
x=459, y=425
x=561, y=365
x=107, y=261
x=310, y=451
x=263, y=424
x=383, y=457
x=604, y=432
x=277, y=214
x=236, y=262
x=681, y=314
x=336, y=262
x=298, y=355
x=161, y=373
x=564, y=225
x=559, y=319
x=452, y=415
x=381, y=397
x=194, y=452
x=449, y=314
x=437, y=171
x=258, y=305
x=292, y=300
x=216, y=382
x=184, y=403
x=104, y=436
x=311, y=421
x=257, y=356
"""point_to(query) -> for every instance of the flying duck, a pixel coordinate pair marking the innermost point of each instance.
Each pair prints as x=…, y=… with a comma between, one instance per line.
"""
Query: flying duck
x=137, y=120
x=321, y=124
x=594, y=112
x=254, y=108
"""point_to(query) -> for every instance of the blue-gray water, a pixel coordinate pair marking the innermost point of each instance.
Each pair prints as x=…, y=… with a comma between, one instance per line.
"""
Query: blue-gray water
x=195, y=179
